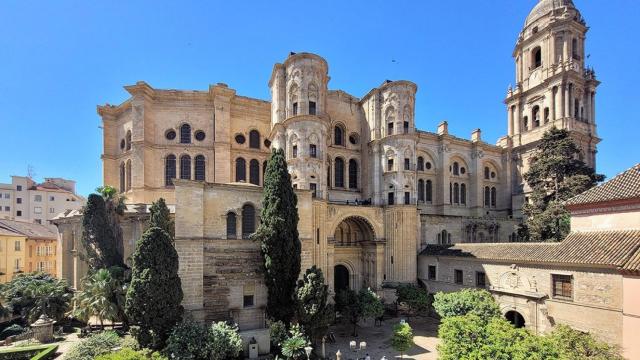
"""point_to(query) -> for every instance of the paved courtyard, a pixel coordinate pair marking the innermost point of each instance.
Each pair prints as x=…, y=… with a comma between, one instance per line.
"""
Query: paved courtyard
x=378, y=339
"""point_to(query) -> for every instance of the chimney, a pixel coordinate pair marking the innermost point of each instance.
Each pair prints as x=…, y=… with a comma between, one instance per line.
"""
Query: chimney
x=475, y=135
x=443, y=128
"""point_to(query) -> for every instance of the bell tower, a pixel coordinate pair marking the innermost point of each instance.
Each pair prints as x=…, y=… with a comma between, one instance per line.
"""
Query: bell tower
x=553, y=87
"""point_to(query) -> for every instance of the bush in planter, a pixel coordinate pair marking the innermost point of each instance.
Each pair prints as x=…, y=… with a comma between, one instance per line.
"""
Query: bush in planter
x=94, y=345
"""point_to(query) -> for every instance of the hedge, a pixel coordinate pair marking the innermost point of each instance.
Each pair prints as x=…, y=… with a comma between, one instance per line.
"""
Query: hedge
x=42, y=352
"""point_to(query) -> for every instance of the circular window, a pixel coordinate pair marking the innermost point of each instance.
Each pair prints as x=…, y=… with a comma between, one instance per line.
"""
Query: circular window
x=427, y=165
x=122, y=144
x=267, y=142
x=199, y=135
x=240, y=139
x=170, y=135
x=353, y=139
x=493, y=175
x=463, y=170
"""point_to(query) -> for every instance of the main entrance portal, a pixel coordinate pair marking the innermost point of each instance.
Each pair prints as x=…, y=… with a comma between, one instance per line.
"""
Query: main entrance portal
x=340, y=278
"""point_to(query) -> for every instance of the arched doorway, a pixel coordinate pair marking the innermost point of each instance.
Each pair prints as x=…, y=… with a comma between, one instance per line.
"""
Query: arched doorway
x=515, y=318
x=340, y=278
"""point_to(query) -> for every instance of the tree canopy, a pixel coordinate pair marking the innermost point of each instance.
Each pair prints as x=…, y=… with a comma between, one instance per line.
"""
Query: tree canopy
x=98, y=236
x=278, y=237
x=161, y=217
x=33, y=294
x=467, y=301
x=556, y=174
x=313, y=312
x=155, y=293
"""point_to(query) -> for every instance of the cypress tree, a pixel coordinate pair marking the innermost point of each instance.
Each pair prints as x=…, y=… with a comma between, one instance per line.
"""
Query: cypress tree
x=278, y=236
x=98, y=236
x=161, y=217
x=555, y=175
x=313, y=312
x=154, y=296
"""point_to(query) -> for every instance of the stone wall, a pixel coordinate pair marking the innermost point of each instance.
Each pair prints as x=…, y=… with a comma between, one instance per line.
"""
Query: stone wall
x=527, y=288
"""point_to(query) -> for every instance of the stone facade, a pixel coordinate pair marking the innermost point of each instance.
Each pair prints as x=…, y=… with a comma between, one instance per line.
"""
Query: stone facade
x=373, y=190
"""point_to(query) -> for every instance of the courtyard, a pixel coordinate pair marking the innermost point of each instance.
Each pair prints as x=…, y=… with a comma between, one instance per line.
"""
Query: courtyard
x=378, y=339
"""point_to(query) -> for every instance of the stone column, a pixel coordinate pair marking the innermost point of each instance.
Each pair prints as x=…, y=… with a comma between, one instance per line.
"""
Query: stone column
x=565, y=100
x=377, y=174
x=516, y=120
x=554, y=93
x=593, y=107
x=510, y=121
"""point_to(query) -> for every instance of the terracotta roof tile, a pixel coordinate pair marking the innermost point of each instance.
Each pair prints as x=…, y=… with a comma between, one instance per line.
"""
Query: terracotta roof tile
x=620, y=249
x=622, y=187
x=30, y=230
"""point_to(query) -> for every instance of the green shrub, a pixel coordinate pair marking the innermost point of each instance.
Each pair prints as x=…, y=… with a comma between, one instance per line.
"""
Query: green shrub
x=417, y=300
x=129, y=354
x=466, y=301
x=402, y=338
x=293, y=346
x=12, y=330
x=278, y=332
x=225, y=341
x=94, y=345
x=42, y=352
x=188, y=341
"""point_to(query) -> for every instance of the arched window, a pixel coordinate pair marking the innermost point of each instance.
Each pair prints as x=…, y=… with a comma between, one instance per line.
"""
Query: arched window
x=463, y=194
x=128, y=175
x=254, y=139
x=128, y=140
x=429, y=191
x=353, y=174
x=420, y=163
x=536, y=58
x=574, y=49
x=241, y=170
x=487, y=171
x=576, y=109
x=494, y=196
x=248, y=220
x=169, y=170
x=450, y=193
x=536, y=116
x=254, y=172
x=338, y=181
x=546, y=115
x=456, y=168
x=456, y=193
x=421, y=190
x=526, y=123
x=487, y=196
x=185, y=134
x=405, y=127
x=390, y=128
x=185, y=167
x=446, y=237
x=231, y=226
x=200, y=167
x=122, y=176
x=338, y=135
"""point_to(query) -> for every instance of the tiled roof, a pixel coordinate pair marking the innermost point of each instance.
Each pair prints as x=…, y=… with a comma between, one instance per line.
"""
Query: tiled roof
x=30, y=230
x=622, y=187
x=620, y=249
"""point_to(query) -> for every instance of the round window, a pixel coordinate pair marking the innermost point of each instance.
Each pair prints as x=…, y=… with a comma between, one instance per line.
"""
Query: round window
x=353, y=139
x=199, y=135
x=493, y=175
x=122, y=144
x=427, y=165
x=240, y=139
x=463, y=170
x=267, y=142
x=170, y=135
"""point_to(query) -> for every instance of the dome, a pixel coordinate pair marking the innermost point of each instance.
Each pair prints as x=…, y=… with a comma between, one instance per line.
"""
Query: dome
x=544, y=7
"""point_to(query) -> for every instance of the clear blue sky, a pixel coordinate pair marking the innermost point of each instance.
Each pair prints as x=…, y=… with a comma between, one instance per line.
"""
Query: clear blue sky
x=59, y=59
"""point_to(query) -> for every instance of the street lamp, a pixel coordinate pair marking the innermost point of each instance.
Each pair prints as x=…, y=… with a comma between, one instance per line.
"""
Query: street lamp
x=307, y=350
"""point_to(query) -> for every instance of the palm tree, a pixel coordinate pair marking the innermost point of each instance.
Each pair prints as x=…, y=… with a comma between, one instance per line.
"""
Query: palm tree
x=102, y=296
x=50, y=298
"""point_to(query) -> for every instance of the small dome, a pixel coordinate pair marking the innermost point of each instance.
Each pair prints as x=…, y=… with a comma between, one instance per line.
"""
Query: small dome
x=544, y=7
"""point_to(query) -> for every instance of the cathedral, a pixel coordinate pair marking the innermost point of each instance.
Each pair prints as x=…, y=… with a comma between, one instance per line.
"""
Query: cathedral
x=373, y=190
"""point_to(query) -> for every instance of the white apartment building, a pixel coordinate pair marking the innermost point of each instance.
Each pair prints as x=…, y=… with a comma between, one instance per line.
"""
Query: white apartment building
x=25, y=200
